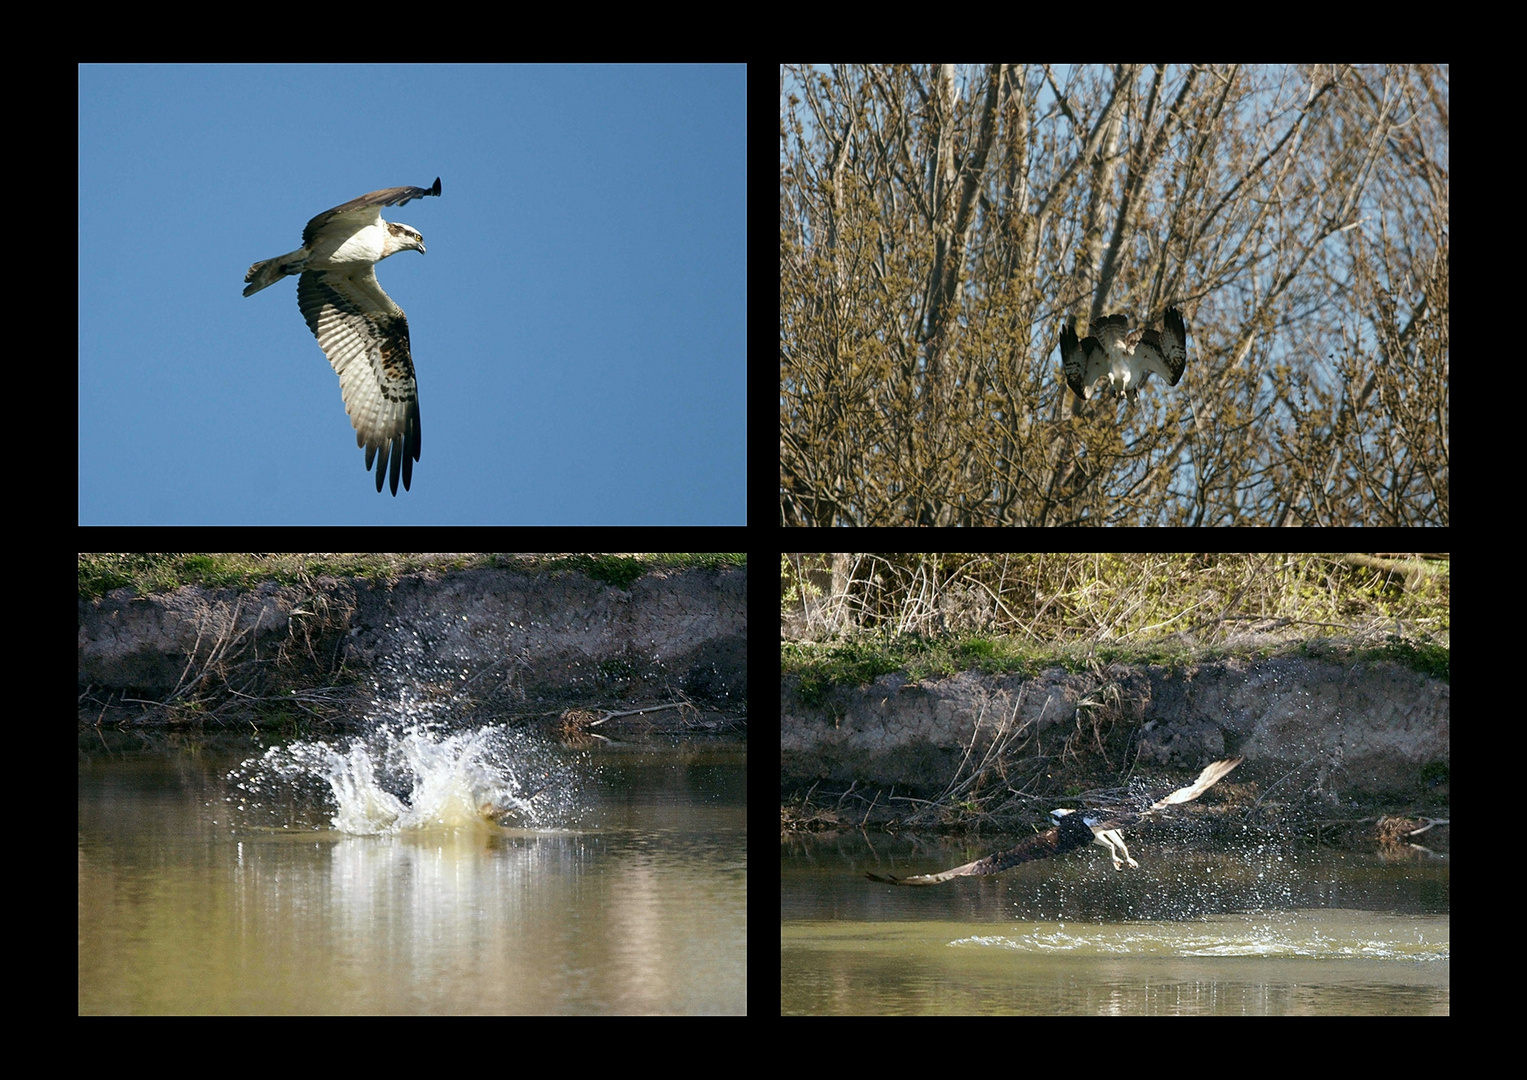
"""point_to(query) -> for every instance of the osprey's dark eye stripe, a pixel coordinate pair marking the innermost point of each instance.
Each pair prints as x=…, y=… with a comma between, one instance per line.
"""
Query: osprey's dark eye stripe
x=362, y=332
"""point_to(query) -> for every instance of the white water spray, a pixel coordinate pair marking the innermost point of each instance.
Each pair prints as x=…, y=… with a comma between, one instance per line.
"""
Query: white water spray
x=415, y=777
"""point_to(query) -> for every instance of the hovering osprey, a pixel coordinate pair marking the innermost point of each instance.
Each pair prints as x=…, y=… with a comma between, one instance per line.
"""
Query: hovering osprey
x=1071, y=831
x=1127, y=357
x=362, y=332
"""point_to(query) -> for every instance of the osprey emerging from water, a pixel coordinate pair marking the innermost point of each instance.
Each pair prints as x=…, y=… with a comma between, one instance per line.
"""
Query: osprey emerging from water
x=1127, y=357
x=1072, y=830
x=362, y=332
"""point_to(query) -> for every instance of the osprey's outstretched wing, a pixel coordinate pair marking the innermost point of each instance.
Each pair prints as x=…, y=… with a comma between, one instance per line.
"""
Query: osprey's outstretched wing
x=1166, y=353
x=1211, y=775
x=1073, y=830
x=1068, y=835
x=1084, y=361
x=365, y=336
x=366, y=208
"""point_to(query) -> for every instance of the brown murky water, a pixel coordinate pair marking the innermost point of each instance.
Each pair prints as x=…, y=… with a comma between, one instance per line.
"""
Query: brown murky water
x=638, y=906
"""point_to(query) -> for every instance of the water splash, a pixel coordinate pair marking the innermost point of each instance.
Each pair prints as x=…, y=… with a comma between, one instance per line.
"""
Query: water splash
x=417, y=765
x=418, y=776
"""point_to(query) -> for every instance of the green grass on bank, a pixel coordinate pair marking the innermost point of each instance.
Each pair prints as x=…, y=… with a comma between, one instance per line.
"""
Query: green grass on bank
x=156, y=572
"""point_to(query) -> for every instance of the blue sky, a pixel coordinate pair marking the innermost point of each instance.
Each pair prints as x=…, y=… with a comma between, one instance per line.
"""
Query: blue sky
x=579, y=322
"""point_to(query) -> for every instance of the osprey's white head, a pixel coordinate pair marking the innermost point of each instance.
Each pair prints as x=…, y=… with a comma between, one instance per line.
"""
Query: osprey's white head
x=401, y=237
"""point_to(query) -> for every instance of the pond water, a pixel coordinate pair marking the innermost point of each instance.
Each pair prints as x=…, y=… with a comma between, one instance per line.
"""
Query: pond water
x=485, y=876
x=1263, y=928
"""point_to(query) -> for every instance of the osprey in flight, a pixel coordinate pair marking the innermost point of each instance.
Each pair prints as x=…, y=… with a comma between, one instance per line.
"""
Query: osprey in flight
x=1072, y=830
x=1127, y=357
x=362, y=332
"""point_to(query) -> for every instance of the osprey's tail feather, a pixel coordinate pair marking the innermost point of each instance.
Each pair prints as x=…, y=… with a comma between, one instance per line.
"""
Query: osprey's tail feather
x=270, y=271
